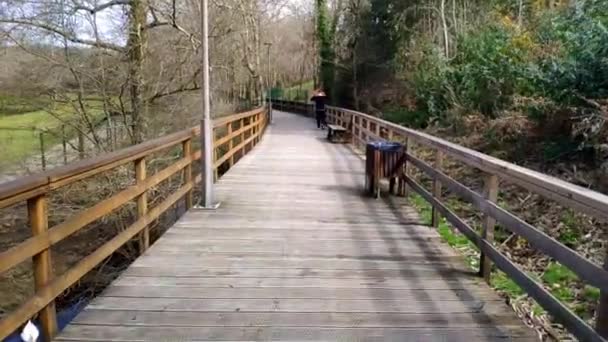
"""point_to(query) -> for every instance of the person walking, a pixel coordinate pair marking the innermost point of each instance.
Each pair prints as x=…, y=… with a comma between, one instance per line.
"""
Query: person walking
x=320, y=98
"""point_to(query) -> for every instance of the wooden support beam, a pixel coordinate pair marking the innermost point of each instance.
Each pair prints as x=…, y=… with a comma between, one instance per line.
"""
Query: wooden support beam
x=43, y=267
x=187, y=152
x=403, y=187
x=230, y=146
x=601, y=317
x=435, y=216
x=142, y=203
x=487, y=229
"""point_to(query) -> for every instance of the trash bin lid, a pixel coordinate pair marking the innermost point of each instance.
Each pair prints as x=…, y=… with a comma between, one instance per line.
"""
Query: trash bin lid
x=386, y=146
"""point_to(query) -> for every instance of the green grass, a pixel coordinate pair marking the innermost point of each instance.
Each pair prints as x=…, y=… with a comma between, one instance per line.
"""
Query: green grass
x=13, y=105
x=558, y=274
x=569, y=234
x=20, y=133
x=453, y=239
x=502, y=282
x=298, y=92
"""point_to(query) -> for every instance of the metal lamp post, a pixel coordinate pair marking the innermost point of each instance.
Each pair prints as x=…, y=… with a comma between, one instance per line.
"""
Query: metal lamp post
x=268, y=84
x=207, y=201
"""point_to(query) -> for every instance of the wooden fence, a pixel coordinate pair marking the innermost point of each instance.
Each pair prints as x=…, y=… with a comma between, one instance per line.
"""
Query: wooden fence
x=294, y=107
x=364, y=128
x=234, y=136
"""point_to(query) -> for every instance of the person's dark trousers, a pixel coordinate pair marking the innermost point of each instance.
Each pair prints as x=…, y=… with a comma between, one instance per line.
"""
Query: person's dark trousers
x=321, y=119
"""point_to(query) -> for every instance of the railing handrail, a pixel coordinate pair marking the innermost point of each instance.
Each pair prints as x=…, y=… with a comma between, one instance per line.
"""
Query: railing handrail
x=34, y=190
x=46, y=180
x=589, y=201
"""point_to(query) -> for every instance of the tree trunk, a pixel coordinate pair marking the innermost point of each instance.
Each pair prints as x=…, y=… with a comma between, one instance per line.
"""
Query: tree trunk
x=136, y=54
x=446, y=36
x=520, y=16
x=355, y=79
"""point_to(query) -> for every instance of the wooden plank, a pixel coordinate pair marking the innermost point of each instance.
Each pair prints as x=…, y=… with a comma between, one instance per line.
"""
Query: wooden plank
x=201, y=272
x=296, y=293
x=122, y=333
x=246, y=261
x=273, y=319
x=393, y=305
x=352, y=282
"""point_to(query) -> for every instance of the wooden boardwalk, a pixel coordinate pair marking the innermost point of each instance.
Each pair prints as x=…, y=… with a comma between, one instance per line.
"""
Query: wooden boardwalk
x=295, y=252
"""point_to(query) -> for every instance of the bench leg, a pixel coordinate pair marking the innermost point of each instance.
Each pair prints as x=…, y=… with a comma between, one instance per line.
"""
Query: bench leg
x=392, y=186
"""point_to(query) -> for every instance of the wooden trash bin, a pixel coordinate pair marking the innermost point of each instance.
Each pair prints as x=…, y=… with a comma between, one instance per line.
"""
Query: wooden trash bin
x=383, y=160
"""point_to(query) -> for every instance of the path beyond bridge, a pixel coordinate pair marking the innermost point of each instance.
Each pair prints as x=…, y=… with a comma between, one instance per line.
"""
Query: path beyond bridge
x=296, y=252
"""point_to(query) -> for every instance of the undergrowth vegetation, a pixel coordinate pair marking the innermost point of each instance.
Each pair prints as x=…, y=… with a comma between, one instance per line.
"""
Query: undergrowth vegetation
x=552, y=71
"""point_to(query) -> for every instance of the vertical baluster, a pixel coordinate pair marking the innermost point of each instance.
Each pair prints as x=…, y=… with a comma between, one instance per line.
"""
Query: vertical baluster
x=409, y=150
x=187, y=150
x=142, y=203
x=487, y=232
x=436, y=217
x=601, y=321
x=230, y=146
x=378, y=130
x=242, y=125
x=43, y=267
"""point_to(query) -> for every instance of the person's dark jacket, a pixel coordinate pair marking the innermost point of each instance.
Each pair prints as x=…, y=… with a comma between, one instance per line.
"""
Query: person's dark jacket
x=319, y=102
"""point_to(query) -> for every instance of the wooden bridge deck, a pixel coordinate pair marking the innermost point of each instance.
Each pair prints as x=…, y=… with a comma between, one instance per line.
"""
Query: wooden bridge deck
x=295, y=252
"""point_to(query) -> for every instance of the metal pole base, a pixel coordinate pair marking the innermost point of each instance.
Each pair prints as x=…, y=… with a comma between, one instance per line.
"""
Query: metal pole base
x=202, y=207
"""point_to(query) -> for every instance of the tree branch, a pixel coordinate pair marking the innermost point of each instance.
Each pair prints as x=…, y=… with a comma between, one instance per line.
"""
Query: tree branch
x=72, y=38
x=102, y=7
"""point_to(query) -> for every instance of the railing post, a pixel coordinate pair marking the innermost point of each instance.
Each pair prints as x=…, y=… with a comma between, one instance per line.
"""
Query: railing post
x=216, y=174
x=187, y=150
x=43, y=267
x=487, y=229
x=230, y=145
x=436, y=217
x=242, y=137
x=601, y=321
x=353, y=138
x=142, y=203
x=256, y=128
x=403, y=187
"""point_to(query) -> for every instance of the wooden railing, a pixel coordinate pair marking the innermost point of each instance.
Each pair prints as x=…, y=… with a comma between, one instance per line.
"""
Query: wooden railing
x=365, y=128
x=234, y=136
x=294, y=107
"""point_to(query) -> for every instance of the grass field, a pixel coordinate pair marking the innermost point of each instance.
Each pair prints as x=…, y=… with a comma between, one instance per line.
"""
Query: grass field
x=20, y=129
x=298, y=92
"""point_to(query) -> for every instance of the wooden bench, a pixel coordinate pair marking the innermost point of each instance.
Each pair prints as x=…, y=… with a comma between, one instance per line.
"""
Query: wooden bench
x=336, y=134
